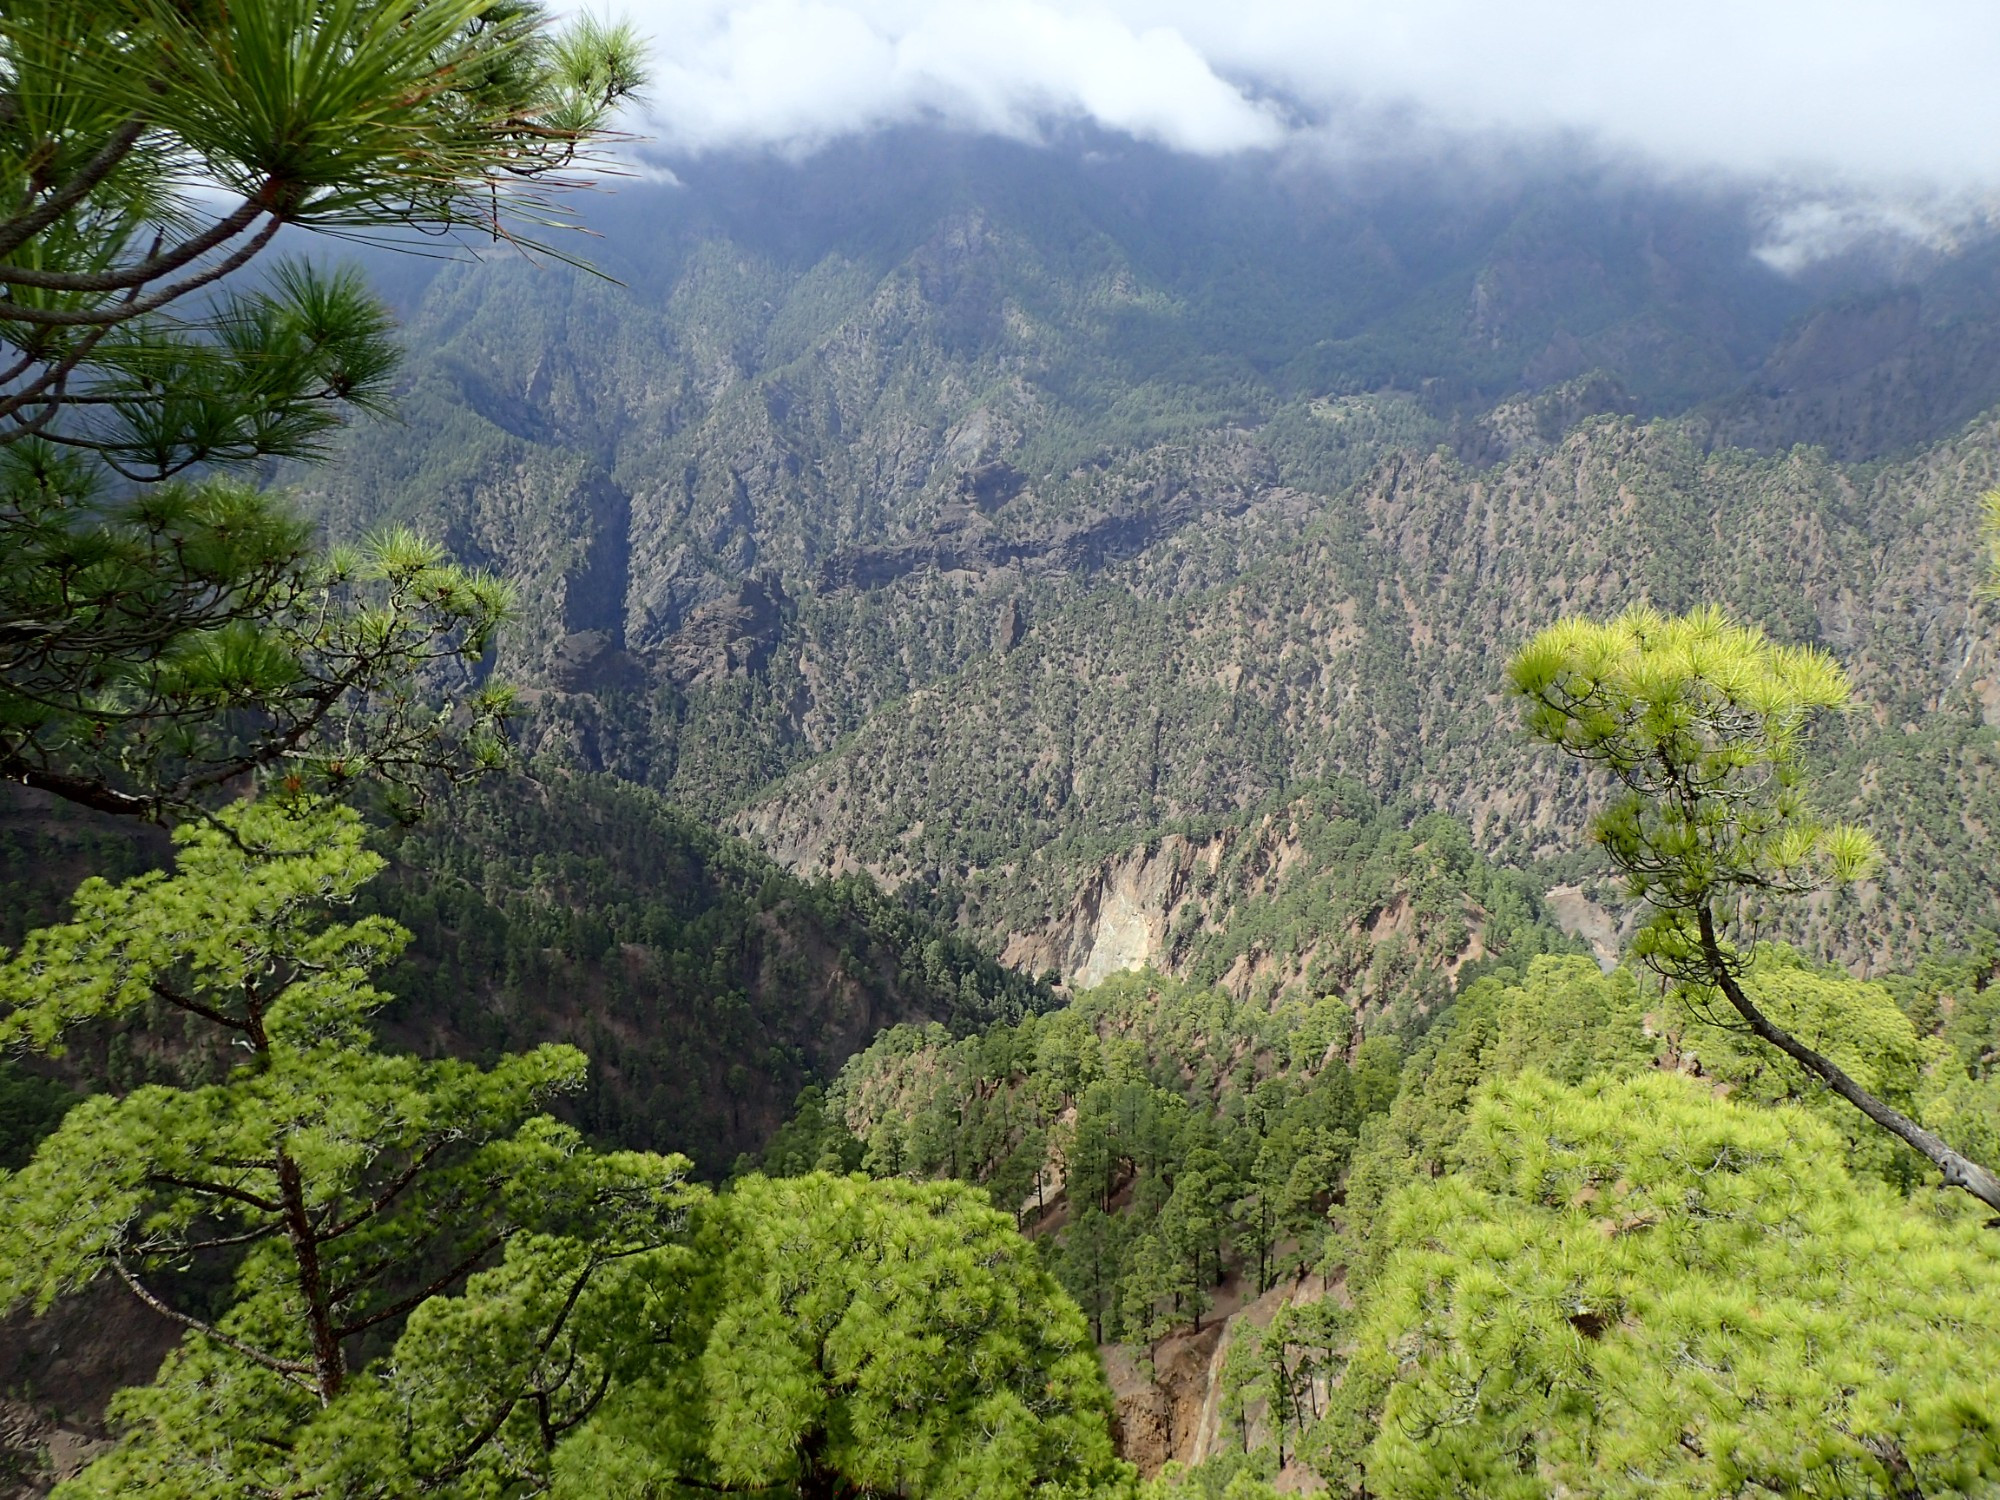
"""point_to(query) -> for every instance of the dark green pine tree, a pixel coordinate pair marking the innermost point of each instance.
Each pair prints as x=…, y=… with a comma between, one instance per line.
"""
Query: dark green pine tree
x=164, y=626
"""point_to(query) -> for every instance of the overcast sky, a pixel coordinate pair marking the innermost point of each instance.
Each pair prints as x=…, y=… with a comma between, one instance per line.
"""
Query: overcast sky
x=1898, y=97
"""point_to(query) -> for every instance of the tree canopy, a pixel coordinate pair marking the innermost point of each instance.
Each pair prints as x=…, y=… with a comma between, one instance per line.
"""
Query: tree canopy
x=1633, y=1284
x=1701, y=723
x=399, y=1276
x=861, y=1337
x=334, y=1188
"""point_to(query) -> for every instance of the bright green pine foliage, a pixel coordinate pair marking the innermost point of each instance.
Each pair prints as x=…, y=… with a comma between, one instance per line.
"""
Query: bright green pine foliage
x=400, y=1277
x=884, y=1338
x=1190, y=1134
x=1702, y=724
x=1568, y=1021
x=468, y=1403
x=1952, y=995
x=1564, y=1018
x=706, y=985
x=1857, y=1024
x=1633, y=1286
x=332, y=1189
x=1964, y=1101
x=1990, y=530
x=1234, y=1476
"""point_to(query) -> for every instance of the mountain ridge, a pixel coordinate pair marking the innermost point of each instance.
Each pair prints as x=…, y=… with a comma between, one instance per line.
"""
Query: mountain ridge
x=977, y=515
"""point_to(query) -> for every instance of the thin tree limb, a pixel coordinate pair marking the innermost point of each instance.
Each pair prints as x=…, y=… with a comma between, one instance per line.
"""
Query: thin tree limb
x=44, y=317
x=152, y=268
x=194, y=1007
x=216, y=1190
x=463, y=1459
x=293, y=1370
x=388, y=1194
x=404, y=1304
x=24, y=227
x=1959, y=1170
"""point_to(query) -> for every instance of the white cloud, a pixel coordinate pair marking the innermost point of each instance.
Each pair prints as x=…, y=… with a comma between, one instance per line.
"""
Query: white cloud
x=793, y=73
x=1810, y=228
x=1894, y=96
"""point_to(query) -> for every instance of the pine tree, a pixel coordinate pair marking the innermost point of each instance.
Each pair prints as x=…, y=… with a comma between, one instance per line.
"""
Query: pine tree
x=1634, y=1278
x=339, y=1191
x=164, y=626
x=1702, y=724
x=857, y=1337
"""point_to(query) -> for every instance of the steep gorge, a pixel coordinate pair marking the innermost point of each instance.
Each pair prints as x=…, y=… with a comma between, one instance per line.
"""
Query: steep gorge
x=939, y=512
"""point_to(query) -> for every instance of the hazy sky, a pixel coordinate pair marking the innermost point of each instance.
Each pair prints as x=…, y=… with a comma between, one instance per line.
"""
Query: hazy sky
x=1895, y=97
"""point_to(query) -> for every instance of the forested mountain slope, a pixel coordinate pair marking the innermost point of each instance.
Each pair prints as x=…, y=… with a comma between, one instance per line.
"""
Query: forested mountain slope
x=1299, y=1243
x=1369, y=643
x=706, y=985
x=979, y=514
x=1025, y=818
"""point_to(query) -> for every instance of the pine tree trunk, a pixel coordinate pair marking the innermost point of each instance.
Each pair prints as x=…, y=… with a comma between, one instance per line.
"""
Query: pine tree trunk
x=1959, y=1171
x=329, y=1365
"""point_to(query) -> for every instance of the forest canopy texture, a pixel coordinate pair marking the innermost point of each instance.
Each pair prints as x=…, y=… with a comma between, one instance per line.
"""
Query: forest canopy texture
x=985, y=821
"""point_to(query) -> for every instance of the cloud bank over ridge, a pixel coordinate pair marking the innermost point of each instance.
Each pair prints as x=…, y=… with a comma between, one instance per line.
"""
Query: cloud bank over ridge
x=1888, y=97
x=792, y=74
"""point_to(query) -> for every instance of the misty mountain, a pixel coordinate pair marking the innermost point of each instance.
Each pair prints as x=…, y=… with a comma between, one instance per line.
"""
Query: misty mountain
x=966, y=512
x=1229, y=751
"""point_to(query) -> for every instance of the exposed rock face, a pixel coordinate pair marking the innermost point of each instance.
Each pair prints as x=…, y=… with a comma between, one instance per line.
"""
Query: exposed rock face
x=1160, y=1418
x=591, y=661
x=1130, y=927
x=38, y=1451
x=1263, y=905
x=967, y=543
x=1580, y=917
x=1119, y=921
x=730, y=637
x=63, y=1368
x=1371, y=642
x=989, y=486
x=1143, y=1426
x=1169, y=1395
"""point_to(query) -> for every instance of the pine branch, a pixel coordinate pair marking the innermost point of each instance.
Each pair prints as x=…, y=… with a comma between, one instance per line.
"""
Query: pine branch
x=435, y=1288
x=463, y=1459
x=194, y=1007
x=18, y=231
x=292, y=1370
x=216, y=1190
x=388, y=1195
x=1959, y=1170
x=150, y=269
x=125, y=312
